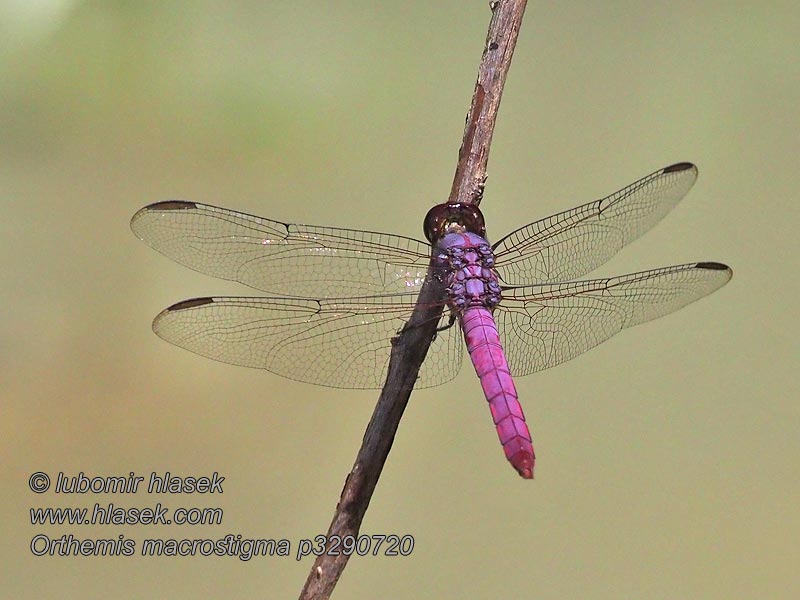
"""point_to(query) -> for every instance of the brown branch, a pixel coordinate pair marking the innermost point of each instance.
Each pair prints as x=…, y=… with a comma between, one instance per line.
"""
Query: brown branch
x=473, y=156
x=411, y=346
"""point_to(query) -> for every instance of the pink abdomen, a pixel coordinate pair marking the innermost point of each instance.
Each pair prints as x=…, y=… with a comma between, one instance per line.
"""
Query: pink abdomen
x=490, y=363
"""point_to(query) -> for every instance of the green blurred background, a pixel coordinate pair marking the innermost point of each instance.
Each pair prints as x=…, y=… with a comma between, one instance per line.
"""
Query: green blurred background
x=668, y=458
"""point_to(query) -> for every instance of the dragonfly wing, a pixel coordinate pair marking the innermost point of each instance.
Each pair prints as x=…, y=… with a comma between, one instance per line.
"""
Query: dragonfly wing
x=544, y=325
x=295, y=260
x=343, y=343
x=570, y=244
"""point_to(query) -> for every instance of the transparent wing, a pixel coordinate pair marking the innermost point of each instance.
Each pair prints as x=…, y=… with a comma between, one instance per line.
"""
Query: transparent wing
x=572, y=243
x=544, y=325
x=343, y=343
x=295, y=260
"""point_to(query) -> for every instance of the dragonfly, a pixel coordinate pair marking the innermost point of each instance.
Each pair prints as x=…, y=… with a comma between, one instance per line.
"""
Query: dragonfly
x=339, y=296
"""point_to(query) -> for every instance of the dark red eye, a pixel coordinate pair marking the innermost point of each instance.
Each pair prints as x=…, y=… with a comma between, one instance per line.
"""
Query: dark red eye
x=442, y=216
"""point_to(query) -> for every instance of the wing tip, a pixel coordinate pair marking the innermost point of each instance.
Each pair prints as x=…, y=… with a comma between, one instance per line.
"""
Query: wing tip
x=163, y=206
x=187, y=304
x=712, y=266
x=727, y=272
x=715, y=266
x=177, y=307
x=170, y=205
x=678, y=167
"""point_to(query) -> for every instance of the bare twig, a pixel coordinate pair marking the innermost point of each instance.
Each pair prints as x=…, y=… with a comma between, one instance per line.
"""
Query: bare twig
x=411, y=346
x=474, y=153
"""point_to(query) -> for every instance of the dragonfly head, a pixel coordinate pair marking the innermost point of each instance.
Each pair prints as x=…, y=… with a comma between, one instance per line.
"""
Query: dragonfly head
x=455, y=217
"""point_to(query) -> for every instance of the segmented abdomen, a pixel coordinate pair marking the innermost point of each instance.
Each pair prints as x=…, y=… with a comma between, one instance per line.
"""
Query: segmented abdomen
x=488, y=358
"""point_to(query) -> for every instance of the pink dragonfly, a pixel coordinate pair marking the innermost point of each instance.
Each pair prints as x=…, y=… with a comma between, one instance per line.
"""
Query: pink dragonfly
x=343, y=293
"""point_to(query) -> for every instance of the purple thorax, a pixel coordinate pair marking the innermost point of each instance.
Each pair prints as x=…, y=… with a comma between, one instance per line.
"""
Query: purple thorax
x=470, y=277
x=464, y=257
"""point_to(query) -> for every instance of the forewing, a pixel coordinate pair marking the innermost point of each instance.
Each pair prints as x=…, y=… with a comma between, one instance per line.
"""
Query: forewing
x=295, y=260
x=542, y=326
x=570, y=244
x=343, y=343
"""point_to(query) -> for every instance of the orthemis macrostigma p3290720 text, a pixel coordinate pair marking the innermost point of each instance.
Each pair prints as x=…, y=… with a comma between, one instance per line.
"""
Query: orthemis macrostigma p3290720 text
x=343, y=294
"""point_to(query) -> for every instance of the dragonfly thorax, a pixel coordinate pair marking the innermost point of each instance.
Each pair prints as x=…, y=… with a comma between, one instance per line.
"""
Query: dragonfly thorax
x=467, y=262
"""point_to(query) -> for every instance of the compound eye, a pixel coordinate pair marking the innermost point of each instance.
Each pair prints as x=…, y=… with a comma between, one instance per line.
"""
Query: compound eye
x=442, y=216
x=472, y=219
x=435, y=222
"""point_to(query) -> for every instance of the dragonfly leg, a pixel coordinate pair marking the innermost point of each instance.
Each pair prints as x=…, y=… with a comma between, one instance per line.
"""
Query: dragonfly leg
x=450, y=323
